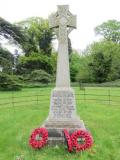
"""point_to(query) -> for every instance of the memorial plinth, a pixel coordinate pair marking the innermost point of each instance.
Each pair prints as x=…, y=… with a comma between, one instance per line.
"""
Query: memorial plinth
x=62, y=112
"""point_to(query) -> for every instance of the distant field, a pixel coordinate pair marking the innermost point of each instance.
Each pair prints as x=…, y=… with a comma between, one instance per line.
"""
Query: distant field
x=21, y=112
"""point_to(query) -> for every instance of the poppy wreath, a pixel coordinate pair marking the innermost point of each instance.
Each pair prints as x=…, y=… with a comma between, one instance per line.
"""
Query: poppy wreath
x=68, y=140
x=38, y=138
x=85, y=138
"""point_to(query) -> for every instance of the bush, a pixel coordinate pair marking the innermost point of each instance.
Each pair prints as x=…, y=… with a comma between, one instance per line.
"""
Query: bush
x=35, y=61
x=8, y=83
x=40, y=76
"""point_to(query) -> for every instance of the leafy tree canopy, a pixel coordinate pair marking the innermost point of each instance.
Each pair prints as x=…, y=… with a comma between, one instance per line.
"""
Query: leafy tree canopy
x=105, y=60
x=39, y=35
x=6, y=60
x=11, y=32
x=110, y=30
x=34, y=62
x=4, y=53
x=100, y=66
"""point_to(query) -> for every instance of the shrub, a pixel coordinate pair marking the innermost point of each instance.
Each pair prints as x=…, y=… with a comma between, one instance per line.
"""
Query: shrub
x=40, y=76
x=8, y=82
x=35, y=61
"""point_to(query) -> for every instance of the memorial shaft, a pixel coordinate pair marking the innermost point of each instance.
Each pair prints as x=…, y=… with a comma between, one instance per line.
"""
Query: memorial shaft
x=62, y=22
x=63, y=73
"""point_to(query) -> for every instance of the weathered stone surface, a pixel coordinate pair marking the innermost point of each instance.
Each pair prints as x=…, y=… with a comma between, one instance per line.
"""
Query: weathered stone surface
x=62, y=104
x=62, y=22
x=62, y=112
x=62, y=115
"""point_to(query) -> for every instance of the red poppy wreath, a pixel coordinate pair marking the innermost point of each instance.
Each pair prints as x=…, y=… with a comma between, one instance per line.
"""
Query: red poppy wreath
x=81, y=140
x=38, y=138
x=68, y=140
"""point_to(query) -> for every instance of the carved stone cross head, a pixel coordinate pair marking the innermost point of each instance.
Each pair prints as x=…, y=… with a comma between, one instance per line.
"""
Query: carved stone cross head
x=63, y=18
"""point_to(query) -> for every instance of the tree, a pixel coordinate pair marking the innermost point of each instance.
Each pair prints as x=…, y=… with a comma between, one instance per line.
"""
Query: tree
x=4, y=53
x=79, y=70
x=110, y=50
x=6, y=60
x=34, y=61
x=84, y=73
x=110, y=30
x=39, y=36
x=74, y=65
x=100, y=66
x=107, y=53
x=11, y=32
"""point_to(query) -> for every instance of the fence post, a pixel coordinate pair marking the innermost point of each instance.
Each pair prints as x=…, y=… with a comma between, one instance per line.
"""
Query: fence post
x=84, y=96
x=12, y=98
x=109, y=96
x=37, y=96
x=13, y=102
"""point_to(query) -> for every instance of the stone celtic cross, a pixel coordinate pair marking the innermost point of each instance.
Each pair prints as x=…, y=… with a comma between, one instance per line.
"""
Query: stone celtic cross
x=63, y=22
x=62, y=112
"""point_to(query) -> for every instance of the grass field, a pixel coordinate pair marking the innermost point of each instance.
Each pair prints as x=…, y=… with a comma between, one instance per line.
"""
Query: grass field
x=21, y=112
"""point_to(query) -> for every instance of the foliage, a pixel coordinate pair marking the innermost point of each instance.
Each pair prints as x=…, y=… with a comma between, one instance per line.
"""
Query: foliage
x=105, y=57
x=39, y=35
x=6, y=65
x=100, y=62
x=100, y=67
x=6, y=60
x=115, y=83
x=83, y=75
x=110, y=30
x=4, y=53
x=40, y=76
x=8, y=83
x=84, y=72
x=53, y=62
x=11, y=32
x=74, y=65
x=78, y=65
x=34, y=61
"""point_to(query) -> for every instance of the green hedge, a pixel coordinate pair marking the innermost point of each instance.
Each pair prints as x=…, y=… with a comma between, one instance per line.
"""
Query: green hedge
x=9, y=82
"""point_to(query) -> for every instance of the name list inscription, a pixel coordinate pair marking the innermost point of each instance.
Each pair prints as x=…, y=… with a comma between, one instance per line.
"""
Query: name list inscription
x=62, y=104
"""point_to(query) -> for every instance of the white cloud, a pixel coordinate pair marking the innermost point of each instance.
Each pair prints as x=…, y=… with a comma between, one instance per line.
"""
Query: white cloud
x=90, y=13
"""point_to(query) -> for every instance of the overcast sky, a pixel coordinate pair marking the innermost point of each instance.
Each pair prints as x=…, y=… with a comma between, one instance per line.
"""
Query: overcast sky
x=90, y=13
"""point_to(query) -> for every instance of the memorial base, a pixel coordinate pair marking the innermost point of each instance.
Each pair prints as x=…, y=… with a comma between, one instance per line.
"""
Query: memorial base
x=62, y=115
x=55, y=130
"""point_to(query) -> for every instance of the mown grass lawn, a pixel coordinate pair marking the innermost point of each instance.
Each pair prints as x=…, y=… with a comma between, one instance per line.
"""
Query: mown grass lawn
x=21, y=112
